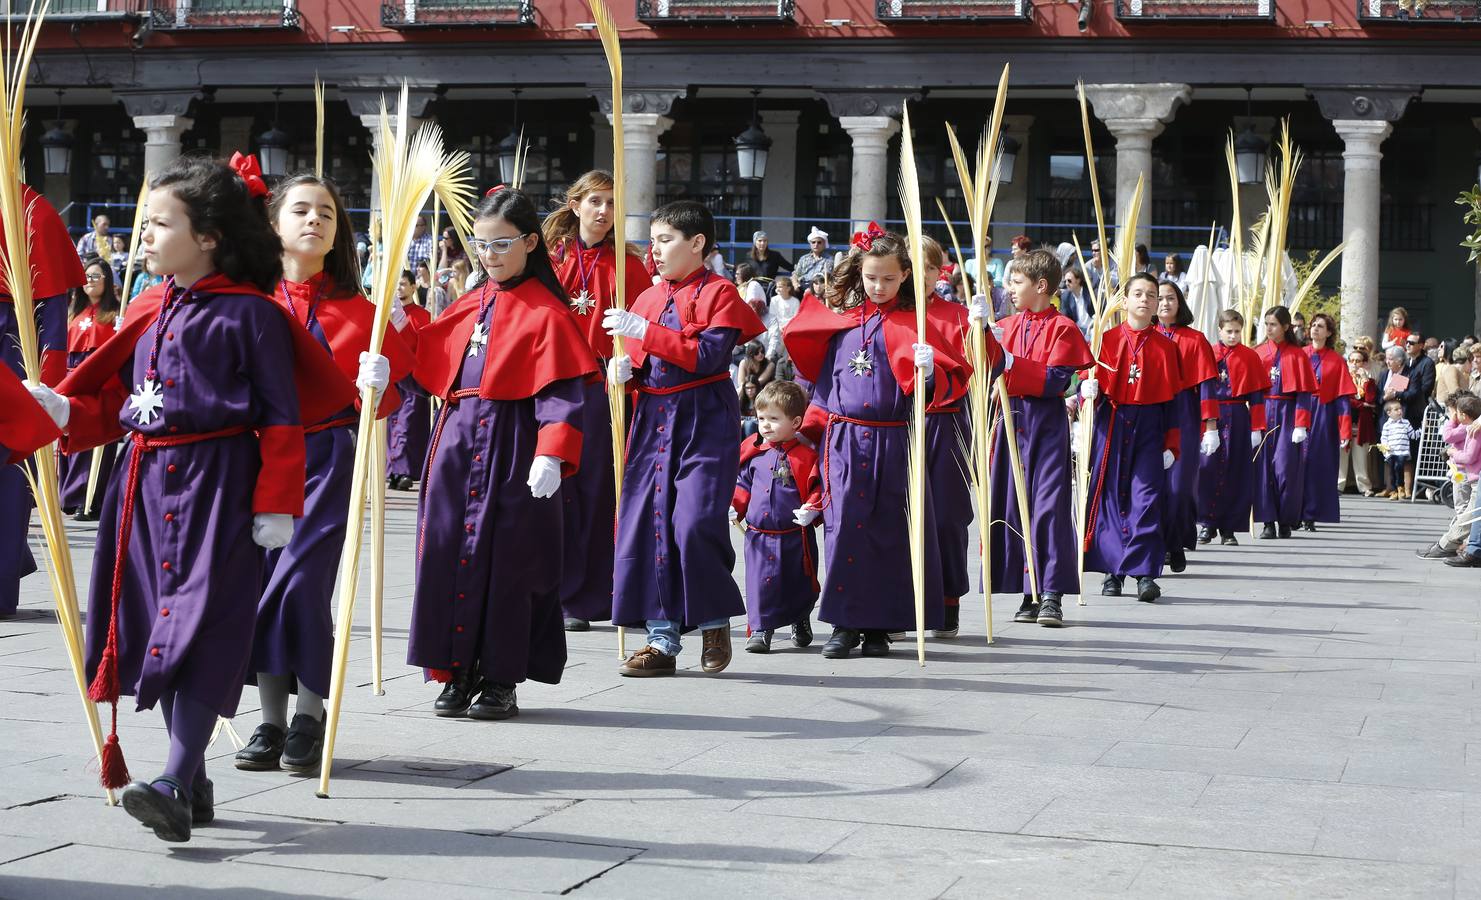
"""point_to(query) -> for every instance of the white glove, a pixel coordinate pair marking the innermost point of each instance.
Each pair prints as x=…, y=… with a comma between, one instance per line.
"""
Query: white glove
x=1007, y=360
x=734, y=516
x=1257, y=435
x=1344, y=445
x=620, y=369
x=398, y=312
x=545, y=476
x=1298, y=434
x=805, y=515
x=1090, y=389
x=1210, y=443
x=55, y=404
x=272, y=530
x=978, y=309
x=375, y=372
x=925, y=358
x=620, y=322
x=1168, y=459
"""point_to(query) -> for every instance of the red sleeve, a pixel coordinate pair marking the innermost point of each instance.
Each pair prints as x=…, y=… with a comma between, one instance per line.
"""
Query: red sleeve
x=1303, y=412
x=814, y=423
x=1173, y=441
x=94, y=418
x=1257, y=416
x=281, y=479
x=1344, y=426
x=563, y=441
x=740, y=500
x=679, y=348
x=1026, y=378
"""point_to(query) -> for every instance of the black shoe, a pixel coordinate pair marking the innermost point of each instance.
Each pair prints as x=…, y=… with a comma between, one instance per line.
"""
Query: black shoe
x=1435, y=551
x=1205, y=535
x=304, y=748
x=1177, y=560
x=948, y=629
x=1028, y=611
x=169, y=816
x=1147, y=590
x=1268, y=532
x=1228, y=539
x=840, y=643
x=760, y=642
x=1464, y=560
x=1285, y=530
x=456, y=697
x=86, y=516
x=1111, y=586
x=802, y=632
x=495, y=703
x=876, y=643
x=1050, y=615
x=402, y=483
x=202, y=802
x=1309, y=525
x=575, y=624
x=263, y=751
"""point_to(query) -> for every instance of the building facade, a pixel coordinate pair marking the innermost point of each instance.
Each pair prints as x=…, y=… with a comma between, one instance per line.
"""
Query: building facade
x=1387, y=109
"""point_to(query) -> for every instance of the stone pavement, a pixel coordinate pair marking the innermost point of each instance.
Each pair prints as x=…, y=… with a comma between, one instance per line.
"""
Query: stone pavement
x=1294, y=719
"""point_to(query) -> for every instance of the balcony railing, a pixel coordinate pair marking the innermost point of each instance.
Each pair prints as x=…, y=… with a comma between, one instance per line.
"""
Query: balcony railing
x=80, y=10
x=1443, y=12
x=1195, y=10
x=698, y=12
x=949, y=10
x=1401, y=226
x=221, y=15
x=456, y=13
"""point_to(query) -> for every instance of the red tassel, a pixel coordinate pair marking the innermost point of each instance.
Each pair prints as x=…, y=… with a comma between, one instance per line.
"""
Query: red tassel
x=114, y=771
x=441, y=676
x=105, y=686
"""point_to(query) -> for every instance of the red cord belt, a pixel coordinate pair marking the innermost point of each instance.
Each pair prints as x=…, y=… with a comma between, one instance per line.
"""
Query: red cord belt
x=833, y=419
x=686, y=386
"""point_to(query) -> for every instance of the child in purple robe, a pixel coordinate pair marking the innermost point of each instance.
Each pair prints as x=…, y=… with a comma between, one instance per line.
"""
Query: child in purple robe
x=1197, y=415
x=92, y=312
x=1226, y=476
x=779, y=496
x=510, y=367
x=1279, y=467
x=214, y=472
x=409, y=427
x=674, y=555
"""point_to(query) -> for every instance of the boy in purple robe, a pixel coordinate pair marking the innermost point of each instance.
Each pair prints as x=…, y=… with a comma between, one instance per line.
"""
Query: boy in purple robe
x=1136, y=440
x=409, y=427
x=1226, y=476
x=681, y=462
x=779, y=496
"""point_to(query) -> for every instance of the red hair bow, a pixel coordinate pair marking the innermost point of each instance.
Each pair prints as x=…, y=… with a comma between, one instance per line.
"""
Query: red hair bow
x=947, y=270
x=495, y=189
x=250, y=172
x=864, y=240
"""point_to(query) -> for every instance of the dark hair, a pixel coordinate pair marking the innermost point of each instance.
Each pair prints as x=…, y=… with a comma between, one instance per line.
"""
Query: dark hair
x=1231, y=315
x=786, y=396
x=107, y=304
x=341, y=263
x=1140, y=276
x=1283, y=316
x=1184, y=316
x=1142, y=253
x=845, y=291
x=753, y=348
x=218, y=205
x=1331, y=343
x=407, y=277
x=744, y=272
x=1177, y=261
x=515, y=207
x=1468, y=405
x=1041, y=264
x=689, y=219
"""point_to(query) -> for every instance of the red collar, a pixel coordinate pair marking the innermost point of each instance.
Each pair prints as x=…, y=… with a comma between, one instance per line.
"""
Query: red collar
x=784, y=446
x=1039, y=316
x=675, y=286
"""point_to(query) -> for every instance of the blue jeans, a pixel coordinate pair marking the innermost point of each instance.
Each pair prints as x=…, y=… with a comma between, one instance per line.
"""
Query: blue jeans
x=1473, y=546
x=663, y=635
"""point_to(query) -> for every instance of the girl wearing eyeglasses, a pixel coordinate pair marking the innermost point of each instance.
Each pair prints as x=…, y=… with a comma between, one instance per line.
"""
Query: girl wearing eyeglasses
x=91, y=314
x=512, y=369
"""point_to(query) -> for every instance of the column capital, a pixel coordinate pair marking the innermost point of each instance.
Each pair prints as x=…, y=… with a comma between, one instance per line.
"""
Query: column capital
x=1137, y=109
x=1363, y=102
x=649, y=125
x=867, y=130
x=658, y=101
x=1361, y=137
x=157, y=103
x=867, y=103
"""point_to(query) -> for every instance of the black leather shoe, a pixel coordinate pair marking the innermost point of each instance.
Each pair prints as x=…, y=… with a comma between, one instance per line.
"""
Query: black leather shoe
x=876, y=643
x=1028, y=611
x=1285, y=530
x=304, y=748
x=1050, y=614
x=1205, y=535
x=1228, y=539
x=1111, y=586
x=840, y=643
x=496, y=702
x=169, y=816
x=263, y=751
x=802, y=632
x=1309, y=525
x=1268, y=532
x=456, y=697
x=1177, y=560
x=202, y=802
x=1464, y=560
x=574, y=624
x=1147, y=590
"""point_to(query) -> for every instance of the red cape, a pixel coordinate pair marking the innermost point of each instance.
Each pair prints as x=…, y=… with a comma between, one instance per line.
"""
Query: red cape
x=1056, y=332
x=1336, y=379
x=715, y=304
x=86, y=340
x=1247, y=373
x=1195, y=356
x=810, y=332
x=803, y=461
x=532, y=343
x=1159, y=377
x=1295, y=369
x=322, y=389
x=347, y=318
x=55, y=268
x=24, y=425
x=601, y=280
x=951, y=319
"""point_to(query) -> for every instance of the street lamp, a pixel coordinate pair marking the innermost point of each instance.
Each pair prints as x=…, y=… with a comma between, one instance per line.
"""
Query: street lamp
x=273, y=144
x=1007, y=157
x=752, y=146
x=56, y=144
x=508, y=149
x=1249, y=148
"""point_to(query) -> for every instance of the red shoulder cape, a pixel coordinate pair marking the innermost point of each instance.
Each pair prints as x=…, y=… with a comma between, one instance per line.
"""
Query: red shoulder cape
x=1195, y=356
x=24, y=425
x=86, y=340
x=601, y=281
x=1295, y=369
x=1159, y=378
x=1247, y=373
x=532, y=343
x=1336, y=379
x=803, y=461
x=1060, y=336
x=322, y=389
x=55, y=268
x=714, y=303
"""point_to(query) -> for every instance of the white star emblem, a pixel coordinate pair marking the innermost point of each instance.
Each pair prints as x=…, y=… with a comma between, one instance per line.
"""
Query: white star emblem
x=84, y=323
x=146, y=401
x=861, y=363
x=1223, y=374
x=478, y=339
x=583, y=303
x=1134, y=374
x=1274, y=373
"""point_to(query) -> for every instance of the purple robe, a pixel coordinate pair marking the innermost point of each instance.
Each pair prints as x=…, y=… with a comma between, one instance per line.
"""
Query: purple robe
x=1279, y=474
x=948, y=435
x=407, y=431
x=1180, y=520
x=590, y=500
x=673, y=556
x=1128, y=487
x=16, y=561
x=488, y=553
x=1320, y=454
x=185, y=628
x=781, y=569
x=1226, y=478
x=868, y=583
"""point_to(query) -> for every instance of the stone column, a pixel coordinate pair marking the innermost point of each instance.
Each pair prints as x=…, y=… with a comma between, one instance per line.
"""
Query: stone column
x=1360, y=199
x=871, y=119
x=161, y=115
x=779, y=189
x=644, y=120
x=1135, y=114
x=1011, y=205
